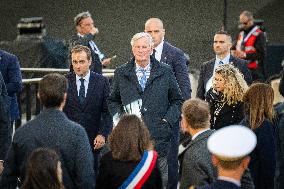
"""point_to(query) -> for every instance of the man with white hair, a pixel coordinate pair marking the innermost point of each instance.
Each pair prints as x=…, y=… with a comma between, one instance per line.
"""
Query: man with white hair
x=146, y=87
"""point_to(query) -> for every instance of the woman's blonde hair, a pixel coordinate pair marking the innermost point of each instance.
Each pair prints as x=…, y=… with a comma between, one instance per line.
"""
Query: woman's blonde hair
x=235, y=85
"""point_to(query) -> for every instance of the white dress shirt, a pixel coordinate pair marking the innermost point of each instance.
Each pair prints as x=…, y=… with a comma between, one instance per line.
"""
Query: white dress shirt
x=86, y=82
x=159, y=50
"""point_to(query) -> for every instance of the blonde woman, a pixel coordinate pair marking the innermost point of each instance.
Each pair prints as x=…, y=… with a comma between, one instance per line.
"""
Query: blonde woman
x=225, y=98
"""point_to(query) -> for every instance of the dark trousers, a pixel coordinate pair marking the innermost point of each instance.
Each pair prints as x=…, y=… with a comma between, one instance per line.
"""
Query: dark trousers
x=173, y=174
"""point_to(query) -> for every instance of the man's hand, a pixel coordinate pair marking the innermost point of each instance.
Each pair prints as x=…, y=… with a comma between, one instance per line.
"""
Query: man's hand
x=106, y=61
x=240, y=54
x=99, y=142
x=1, y=167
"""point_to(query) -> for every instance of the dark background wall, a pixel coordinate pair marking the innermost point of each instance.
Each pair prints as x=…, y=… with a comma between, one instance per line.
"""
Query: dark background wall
x=190, y=24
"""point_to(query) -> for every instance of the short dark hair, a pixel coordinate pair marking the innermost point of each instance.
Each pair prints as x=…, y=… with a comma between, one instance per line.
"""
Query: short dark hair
x=82, y=48
x=222, y=32
x=196, y=112
x=79, y=17
x=41, y=170
x=231, y=165
x=51, y=90
x=129, y=139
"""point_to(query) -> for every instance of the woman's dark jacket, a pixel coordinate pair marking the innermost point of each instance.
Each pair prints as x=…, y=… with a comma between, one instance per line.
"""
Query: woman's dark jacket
x=263, y=157
x=112, y=174
x=223, y=114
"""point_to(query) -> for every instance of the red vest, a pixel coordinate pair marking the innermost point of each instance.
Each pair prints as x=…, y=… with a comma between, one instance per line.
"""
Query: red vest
x=248, y=43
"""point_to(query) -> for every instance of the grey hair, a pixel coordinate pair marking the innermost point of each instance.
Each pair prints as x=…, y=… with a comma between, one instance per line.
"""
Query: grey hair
x=79, y=17
x=141, y=35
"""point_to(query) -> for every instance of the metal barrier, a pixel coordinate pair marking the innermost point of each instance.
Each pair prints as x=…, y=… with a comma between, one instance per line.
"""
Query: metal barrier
x=29, y=91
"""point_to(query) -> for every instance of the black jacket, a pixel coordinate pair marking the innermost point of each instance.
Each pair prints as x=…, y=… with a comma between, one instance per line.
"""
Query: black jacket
x=223, y=114
x=113, y=173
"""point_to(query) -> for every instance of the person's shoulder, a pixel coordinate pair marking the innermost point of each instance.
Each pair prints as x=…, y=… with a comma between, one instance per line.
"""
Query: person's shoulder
x=164, y=67
x=172, y=48
x=211, y=61
x=8, y=55
x=97, y=76
x=124, y=67
x=238, y=61
x=69, y=75
x=207, y=63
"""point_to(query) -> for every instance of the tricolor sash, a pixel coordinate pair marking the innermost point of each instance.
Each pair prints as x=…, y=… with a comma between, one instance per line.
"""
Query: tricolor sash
x=141, y=172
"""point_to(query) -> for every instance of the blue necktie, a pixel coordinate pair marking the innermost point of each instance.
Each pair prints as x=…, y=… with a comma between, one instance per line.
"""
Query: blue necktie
x=143, y=78
x=82, y=91
x=221, y=63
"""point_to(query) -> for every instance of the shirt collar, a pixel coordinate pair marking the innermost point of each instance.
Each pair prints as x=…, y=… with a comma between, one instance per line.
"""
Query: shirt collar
x=228, y=179
x=198, y=133
x=80, y=35
x=86, y=77
x=225, y=60
x=147, y=68
x=159, y=48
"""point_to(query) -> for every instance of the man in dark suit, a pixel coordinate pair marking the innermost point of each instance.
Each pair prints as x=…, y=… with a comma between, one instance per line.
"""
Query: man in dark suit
x=52, y=129
x=86, y=101
x=230, y=156
x=222, y=44
x=175, y=58
x=196, y=166
x=85, y=36
x=149, y=89
x=5, y=136
x=10, y=69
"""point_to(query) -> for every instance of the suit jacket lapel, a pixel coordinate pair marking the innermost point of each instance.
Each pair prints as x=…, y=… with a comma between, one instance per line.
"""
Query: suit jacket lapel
x=209, y=71
x=155, y=71
x=164, y=53
x=91, y=87
x=131, y=75
x=73, y=88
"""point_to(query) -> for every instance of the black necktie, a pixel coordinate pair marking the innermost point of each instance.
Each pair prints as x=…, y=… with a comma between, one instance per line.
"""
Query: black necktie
x=82, y=91
x=221, y=63
x=154, y=52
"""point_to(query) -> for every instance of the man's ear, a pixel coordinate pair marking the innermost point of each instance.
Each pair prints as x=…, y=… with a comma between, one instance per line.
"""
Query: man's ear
x=215, y=160
x=64, y=97
x=245, y=162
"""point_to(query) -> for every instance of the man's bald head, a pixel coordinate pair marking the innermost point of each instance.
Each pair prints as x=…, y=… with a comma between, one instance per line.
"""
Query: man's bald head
x=155, y=27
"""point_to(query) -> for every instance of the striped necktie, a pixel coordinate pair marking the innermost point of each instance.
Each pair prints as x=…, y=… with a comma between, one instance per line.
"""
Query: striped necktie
x=143, y=78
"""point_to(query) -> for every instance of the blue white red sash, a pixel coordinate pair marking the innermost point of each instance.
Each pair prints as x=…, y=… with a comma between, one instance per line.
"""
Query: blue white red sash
x=141, y=172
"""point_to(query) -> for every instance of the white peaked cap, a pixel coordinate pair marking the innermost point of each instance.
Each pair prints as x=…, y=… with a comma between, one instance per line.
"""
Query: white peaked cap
x=232, y=142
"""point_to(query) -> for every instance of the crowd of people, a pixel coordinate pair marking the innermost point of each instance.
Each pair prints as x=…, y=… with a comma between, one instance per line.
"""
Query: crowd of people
x=91, y=134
